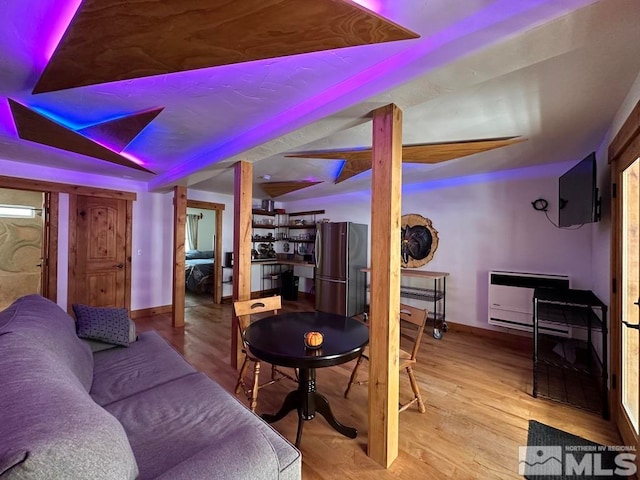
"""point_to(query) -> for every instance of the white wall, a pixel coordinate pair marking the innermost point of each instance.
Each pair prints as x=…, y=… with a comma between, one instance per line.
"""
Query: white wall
x=152, y=250
x=625, y=109
x=63, y=249
x=152, y=232
x=602, y=231
x=152, y=235
x=484, y=222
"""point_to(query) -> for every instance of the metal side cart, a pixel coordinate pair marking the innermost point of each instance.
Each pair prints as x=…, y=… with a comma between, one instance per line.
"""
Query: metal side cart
x=571, y=368
x=429, y=287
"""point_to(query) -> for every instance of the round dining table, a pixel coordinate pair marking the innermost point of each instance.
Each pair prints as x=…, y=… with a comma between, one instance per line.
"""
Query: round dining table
x=279, y=340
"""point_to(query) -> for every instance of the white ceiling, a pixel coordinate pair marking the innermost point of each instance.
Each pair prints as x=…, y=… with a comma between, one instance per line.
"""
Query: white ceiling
x=553, y=71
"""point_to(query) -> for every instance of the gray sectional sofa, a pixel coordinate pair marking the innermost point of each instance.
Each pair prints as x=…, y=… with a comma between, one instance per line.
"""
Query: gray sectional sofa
x=123, y=413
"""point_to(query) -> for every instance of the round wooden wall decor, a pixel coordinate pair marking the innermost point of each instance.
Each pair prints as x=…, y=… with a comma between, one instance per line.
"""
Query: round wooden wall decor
x=418, y=242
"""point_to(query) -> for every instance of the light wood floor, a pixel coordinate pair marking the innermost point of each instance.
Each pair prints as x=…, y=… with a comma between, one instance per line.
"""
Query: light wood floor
x=476, y=389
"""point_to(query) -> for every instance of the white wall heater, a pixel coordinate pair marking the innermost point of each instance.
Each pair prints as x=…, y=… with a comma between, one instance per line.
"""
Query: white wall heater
x=511, y=301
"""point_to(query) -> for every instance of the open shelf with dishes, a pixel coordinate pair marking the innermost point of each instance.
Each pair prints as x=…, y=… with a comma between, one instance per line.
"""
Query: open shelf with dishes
x=264, y=229
x=278, y=235
x=299, y=235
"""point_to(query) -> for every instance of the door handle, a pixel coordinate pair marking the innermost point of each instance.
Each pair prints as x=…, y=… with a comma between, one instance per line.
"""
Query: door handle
x=316, y=247
x=635, y=326
x=119, y=265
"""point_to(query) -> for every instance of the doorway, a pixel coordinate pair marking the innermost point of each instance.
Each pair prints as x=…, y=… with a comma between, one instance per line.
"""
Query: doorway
x=624, y=153
x=181, y=205
x=201, y=234
x=630, y=292
x=21, y=243
x=629, y=297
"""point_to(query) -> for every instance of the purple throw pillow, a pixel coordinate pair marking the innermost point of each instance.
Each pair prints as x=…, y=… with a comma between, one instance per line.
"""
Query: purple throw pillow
x=106, y=324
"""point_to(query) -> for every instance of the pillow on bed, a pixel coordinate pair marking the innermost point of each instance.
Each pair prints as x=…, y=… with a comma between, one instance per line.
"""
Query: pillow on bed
x=105, y=324
x=197, y=254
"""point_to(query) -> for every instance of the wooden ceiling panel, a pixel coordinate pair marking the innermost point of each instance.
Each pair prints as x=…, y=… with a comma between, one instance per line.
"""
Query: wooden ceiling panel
x=37, y=128
x=358, y=161
x=112, y=40
x=275, y=189
x=441, y=152
x=120, y=132
x=353, y=167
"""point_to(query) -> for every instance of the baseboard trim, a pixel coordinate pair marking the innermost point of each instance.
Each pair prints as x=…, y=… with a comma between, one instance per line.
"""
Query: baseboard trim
x=307, y=296
x=150, y=312
x=486, y=333
x=265, y=293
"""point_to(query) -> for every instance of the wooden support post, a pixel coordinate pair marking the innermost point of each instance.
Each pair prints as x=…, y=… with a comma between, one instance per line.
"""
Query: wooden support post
x=384, y=339
x=242, y=198
x=217, y=253
x=179, y=222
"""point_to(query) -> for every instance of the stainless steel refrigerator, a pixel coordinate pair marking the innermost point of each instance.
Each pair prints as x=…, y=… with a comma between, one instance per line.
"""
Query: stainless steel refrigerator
x=341, y=253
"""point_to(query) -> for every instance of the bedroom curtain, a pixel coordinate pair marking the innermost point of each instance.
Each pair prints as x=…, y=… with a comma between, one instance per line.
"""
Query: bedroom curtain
x=192, y=231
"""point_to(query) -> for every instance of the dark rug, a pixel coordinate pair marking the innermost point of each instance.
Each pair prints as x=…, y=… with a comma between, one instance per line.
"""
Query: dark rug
x=553, y=454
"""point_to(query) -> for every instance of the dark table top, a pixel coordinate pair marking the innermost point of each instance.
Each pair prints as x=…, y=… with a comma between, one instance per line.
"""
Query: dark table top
x=279, y=339
x=568, y=295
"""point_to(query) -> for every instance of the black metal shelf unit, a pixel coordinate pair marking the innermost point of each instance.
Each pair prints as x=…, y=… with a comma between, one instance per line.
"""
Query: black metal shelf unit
x=428, y=295
x=571, y=370
x=435, y=294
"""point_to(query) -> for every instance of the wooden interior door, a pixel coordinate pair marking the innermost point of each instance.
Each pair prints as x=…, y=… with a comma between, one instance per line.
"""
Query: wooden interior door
x=100, y=251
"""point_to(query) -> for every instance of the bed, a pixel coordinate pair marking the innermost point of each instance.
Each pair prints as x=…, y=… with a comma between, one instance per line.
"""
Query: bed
x=199, y=272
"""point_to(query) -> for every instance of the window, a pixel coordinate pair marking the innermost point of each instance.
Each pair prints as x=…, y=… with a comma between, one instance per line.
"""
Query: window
x=17, y=211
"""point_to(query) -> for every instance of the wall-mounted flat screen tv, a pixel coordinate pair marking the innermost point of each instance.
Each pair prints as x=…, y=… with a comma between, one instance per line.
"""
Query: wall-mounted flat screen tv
x=578, y=201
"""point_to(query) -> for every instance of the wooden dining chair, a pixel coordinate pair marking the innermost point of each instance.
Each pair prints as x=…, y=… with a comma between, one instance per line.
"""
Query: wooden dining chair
x=243, y=310
x=414, y=320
